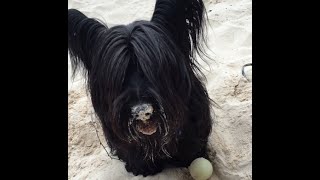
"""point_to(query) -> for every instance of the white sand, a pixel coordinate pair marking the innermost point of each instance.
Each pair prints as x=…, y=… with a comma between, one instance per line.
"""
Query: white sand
x=230, y=38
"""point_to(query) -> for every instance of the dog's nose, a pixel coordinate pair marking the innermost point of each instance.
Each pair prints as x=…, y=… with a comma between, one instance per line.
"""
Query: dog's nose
x=142, y=111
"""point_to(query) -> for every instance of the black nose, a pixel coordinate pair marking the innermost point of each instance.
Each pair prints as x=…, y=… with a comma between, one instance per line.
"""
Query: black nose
x=142, y=111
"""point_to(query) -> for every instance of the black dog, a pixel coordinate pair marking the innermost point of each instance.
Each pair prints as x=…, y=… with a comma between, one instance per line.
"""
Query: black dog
x=145, y=86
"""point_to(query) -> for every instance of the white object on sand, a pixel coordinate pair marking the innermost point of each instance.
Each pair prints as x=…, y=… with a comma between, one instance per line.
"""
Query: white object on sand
x=200, y=169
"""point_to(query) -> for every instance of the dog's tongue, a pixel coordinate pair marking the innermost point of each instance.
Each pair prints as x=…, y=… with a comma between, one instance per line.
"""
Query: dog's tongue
x=147, y=128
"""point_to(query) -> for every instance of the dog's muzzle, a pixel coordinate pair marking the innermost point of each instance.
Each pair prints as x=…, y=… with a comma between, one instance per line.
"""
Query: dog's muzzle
x=142, y=113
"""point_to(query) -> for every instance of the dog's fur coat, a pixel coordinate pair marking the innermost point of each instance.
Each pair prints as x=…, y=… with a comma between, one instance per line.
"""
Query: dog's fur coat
x=147, y=65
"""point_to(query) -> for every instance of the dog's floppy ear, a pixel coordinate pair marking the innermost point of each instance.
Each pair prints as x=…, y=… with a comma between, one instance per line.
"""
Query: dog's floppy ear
x=84, y=35
x=185, y=21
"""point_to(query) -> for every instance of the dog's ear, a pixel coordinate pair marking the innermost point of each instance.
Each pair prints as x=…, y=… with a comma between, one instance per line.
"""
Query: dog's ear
x=84, y=35
x=185, y=22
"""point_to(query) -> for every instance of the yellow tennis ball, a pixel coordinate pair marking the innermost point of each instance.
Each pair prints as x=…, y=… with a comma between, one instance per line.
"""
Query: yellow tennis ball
x=200, y=169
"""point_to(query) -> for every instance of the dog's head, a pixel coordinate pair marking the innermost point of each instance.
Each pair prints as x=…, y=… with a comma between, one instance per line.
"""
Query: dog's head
x=140, y=76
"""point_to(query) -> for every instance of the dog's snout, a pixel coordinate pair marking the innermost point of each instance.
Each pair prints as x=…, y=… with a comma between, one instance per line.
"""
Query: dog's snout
x=142, y=112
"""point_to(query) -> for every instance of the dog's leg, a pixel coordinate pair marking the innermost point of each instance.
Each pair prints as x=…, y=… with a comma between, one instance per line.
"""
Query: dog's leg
x=138, y=166
x=135, y=162
x=189, y=149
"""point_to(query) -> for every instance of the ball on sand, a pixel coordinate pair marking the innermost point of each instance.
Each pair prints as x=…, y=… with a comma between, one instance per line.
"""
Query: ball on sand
x=200, y=169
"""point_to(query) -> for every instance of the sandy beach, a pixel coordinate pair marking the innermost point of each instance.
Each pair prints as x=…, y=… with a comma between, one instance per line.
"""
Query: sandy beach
x=230, y=42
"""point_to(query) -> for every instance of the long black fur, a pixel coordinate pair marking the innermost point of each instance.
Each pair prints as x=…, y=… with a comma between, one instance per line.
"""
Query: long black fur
x=147, y=61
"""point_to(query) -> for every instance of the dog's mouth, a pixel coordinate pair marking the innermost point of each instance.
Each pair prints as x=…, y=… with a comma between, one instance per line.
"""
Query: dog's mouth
x=147, y=127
